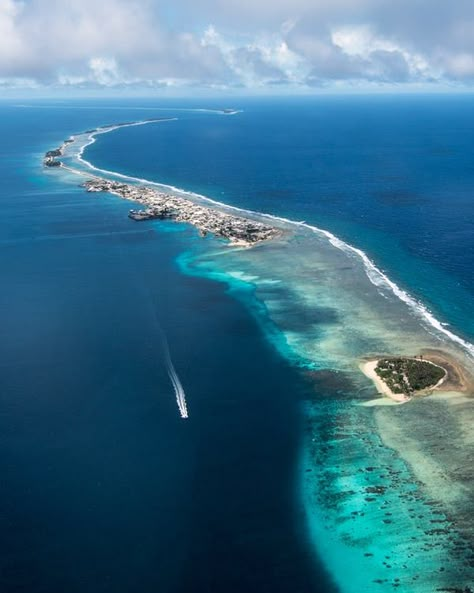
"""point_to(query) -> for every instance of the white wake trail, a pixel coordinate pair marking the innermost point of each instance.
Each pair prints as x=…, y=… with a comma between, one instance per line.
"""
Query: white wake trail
x=177, y=386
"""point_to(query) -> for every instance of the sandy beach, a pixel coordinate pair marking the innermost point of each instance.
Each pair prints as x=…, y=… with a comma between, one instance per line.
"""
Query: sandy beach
x=457, y=378
x=368, y=368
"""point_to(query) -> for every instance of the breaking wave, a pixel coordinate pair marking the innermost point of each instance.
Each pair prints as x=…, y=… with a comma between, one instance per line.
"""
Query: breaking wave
x=376, y=276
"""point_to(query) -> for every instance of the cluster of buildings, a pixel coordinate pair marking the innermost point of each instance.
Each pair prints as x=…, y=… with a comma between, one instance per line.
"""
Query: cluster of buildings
x=161, y=205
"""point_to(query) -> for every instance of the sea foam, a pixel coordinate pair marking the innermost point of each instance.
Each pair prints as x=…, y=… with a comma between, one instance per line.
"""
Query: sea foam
x=376, y=276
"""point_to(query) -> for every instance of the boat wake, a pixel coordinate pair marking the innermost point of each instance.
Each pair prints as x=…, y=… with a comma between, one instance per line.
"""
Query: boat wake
x=177, y=386
x=376, y=276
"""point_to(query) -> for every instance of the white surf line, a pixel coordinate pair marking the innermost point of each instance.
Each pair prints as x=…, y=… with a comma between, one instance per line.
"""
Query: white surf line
x=177, y=386
x=374, y=274
x=112, y=128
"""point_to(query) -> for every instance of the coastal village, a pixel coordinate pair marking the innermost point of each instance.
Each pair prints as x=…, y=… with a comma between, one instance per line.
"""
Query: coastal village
x=159, y=205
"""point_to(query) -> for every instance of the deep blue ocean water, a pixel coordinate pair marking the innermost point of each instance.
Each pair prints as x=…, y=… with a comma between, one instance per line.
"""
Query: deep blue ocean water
x=391, y=175
x=105, y=488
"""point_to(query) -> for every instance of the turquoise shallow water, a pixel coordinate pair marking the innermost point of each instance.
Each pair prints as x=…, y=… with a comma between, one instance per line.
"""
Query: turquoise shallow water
x=345, y=497
x=324, y=310
x=377, y=520
x=392, y=176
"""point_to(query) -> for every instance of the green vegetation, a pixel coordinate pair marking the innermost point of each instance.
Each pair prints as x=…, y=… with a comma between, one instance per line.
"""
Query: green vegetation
x=406, y=375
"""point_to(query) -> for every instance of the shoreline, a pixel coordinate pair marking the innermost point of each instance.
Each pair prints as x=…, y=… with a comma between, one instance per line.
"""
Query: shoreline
x=456, y=378
x=368, y=368
x=237, y=230
x=375, y=275
x=393, y=411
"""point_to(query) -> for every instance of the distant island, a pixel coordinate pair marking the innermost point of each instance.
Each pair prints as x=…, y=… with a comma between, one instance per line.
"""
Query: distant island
x=51, y=156
x=403, y=377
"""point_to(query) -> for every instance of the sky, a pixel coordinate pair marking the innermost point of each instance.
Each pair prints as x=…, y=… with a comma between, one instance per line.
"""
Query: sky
x=240, y=45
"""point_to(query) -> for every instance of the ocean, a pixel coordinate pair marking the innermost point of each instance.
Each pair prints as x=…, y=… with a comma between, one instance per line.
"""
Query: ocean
x=279, y=479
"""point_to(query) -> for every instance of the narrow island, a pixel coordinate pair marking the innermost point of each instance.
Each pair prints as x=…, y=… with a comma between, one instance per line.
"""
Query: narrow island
x=160, y=205
x=239, y=231
x=51, y=156
x=401, y=378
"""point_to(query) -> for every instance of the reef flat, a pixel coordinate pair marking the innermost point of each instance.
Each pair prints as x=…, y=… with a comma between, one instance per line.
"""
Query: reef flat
x=386, y=489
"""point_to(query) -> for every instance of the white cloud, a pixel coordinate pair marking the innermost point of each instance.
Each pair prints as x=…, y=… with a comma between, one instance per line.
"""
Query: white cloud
x=253, y=43
x=257, y=61
x=381, y=55
x=459, y=65
x=104, y=71
x=357, y=41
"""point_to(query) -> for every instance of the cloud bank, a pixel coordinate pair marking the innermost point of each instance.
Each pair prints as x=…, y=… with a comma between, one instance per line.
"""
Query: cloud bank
x=255, y=44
